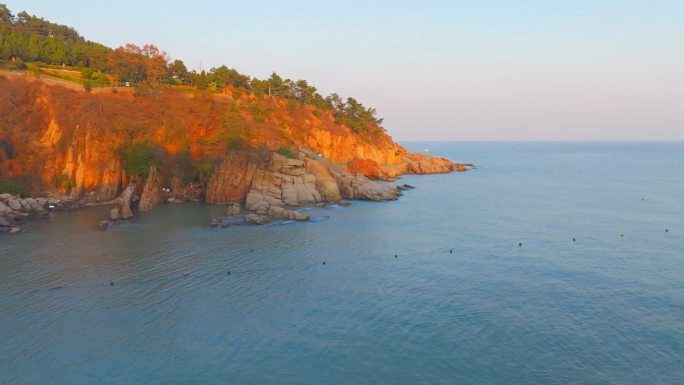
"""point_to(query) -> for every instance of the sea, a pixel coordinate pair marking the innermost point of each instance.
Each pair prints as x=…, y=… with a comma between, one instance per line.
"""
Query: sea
x=549, y=263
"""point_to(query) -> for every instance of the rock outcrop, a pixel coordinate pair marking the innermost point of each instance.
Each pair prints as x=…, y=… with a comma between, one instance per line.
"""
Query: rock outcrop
x=124, y=202
x=68, y=143
x=282, y=182
x=152, y=192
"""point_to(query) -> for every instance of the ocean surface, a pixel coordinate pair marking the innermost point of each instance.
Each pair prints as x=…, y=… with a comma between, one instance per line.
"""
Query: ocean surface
x=326, y=302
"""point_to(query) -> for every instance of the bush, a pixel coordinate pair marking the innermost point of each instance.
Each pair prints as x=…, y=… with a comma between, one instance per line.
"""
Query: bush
x=204, y=167
x=8, y=186
x=257, y=114
x=63, y=181
x=138, y=158
x=286, y=152
x=19, y=64
x=235, y=143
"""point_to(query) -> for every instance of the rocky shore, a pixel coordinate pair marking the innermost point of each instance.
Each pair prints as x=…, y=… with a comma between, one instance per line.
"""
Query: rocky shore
x=257, y=190
x=16, y=211
x=273, y=187
x=268, y=154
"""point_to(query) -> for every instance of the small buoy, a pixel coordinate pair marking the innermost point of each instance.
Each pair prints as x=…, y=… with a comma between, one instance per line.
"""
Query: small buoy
x=451, y=251
x=573, y=239
x=324, y=262
x=667, y=230
x=519, y=243
x=228, y=273
x=251, y=250
x=622, y=234
x=111, y=284
x=396, y=256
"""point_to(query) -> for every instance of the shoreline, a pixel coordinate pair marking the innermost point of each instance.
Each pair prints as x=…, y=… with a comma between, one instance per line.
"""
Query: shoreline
x=264, y=203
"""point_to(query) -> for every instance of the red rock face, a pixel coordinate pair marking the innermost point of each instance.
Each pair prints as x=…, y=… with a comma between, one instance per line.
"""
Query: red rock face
x=58, y=139
x=366, y=167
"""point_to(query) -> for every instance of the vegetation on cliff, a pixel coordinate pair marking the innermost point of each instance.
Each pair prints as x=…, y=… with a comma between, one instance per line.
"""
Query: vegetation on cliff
x=30, y=42
x=53, y=137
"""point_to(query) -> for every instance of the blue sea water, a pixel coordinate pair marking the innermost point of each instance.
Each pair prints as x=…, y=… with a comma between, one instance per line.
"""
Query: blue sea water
x=462, y=302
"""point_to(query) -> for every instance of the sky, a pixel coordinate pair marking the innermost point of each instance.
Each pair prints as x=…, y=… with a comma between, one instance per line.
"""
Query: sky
x=435, y=70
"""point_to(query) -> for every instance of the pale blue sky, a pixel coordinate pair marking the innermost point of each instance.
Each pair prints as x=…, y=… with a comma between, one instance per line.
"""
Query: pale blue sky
x=435, y=70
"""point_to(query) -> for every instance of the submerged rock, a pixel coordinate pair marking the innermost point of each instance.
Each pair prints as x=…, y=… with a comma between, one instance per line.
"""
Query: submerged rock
x=300, y=217
x=258, y=219
x=103, y=225
x=115, y=214
x=15, y=230
x=233, y=209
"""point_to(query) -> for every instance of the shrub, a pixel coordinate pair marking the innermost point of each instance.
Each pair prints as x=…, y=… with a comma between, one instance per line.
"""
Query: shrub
x=286, y=152
x=257, y=114
x=204, y=167
x=8, y=186
x=138, y=158
x=63, y=181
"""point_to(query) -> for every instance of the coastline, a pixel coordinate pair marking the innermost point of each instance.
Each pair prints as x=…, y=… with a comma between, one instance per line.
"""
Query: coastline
x=275, y=189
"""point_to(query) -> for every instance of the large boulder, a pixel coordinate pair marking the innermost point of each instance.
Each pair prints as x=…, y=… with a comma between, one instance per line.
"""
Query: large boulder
x=33, y=204
x=4, y=209
x=25, y=204
x=278, y=213
x=14, y=204
x=42, y=202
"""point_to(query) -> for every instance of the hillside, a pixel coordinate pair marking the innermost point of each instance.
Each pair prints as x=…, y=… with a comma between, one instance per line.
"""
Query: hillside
x=82, y=121
x=59, y=140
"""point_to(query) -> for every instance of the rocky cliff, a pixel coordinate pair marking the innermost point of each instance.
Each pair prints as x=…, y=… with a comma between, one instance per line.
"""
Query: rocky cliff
x=168, y=145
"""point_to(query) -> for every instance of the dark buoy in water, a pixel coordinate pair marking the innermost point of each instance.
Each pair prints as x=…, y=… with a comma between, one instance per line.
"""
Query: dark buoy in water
x=251, y=250
x=396, y=256
x=111, y=284
x=451, y=251
x=228, y=273
x=667, y=230
x=573, y=239
x=520, y=244
x=324, y=262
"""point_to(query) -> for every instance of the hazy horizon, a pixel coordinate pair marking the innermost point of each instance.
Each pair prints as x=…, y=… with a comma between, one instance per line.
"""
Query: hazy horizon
x=438, y=71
